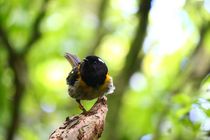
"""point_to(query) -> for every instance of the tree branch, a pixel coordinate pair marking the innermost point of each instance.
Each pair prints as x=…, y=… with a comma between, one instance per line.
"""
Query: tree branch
x=100, y=30
x=19, y=67
x=132, y=63
x=87, y=126
x=5, y=40
x=35, y=33
x=18, y=64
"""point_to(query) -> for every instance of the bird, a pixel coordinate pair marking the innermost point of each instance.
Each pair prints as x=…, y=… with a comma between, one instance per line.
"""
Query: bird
x=89, y=79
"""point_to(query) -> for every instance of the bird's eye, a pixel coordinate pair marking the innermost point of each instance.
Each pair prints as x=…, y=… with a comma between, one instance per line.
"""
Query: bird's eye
x=95, y=62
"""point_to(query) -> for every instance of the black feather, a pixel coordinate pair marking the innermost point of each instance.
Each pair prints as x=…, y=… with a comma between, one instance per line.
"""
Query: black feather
x=93, y=71
x=73, y=76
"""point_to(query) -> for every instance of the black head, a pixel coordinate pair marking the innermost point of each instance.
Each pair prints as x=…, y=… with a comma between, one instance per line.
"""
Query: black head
x=93, y=71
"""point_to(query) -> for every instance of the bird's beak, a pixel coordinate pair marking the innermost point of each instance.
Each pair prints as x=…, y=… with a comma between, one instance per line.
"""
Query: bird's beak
x=73, y=59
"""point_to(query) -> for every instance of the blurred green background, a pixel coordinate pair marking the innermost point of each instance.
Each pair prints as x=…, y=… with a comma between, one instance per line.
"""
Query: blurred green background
x=158, y=53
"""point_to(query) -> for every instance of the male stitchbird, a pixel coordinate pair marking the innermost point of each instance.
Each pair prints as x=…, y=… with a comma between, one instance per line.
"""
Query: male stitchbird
x=88, y=79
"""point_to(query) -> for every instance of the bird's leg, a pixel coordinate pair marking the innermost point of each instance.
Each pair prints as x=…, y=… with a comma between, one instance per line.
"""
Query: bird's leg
x=99, y=98
x=81, y=106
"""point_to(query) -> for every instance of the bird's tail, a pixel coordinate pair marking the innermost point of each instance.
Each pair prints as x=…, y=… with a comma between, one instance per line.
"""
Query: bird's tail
x=73, y=59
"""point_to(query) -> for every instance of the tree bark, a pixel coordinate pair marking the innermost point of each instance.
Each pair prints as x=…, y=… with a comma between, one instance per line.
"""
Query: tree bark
x=86, y=126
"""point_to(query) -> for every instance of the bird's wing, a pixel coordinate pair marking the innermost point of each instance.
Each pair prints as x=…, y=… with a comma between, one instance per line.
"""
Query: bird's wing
x=73, y=59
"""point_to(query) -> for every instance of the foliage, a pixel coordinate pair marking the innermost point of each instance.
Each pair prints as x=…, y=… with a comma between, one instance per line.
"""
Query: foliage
x=166, y=98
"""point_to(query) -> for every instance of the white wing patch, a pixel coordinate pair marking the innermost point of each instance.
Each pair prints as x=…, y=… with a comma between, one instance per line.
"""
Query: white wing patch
x=99, y=59
x=111, y=87
x=85, y=59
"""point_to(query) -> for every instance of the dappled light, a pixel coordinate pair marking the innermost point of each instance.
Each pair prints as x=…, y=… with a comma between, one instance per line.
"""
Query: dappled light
x=157, y=52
